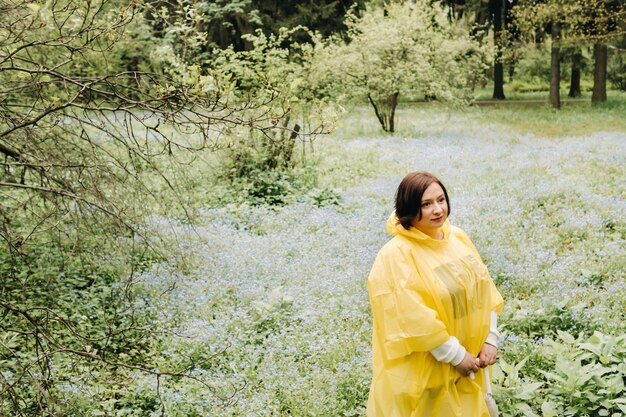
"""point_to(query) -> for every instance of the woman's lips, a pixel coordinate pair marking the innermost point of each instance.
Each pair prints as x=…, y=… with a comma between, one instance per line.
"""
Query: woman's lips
x=438, y=219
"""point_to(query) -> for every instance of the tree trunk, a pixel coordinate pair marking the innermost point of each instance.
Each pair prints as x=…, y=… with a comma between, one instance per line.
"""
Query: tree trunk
x=555, y=67
x=497, y=12
x=600, y=55
x=289, y=146
x=385, y=109
x=574, y=85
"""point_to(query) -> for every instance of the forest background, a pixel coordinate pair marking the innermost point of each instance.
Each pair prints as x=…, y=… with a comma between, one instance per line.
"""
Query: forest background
x=192, y=193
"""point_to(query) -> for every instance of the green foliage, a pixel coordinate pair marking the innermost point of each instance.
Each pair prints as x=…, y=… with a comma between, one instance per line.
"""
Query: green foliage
x=324, y=197
x=512, y=392
x=326, y=17
x=96, y=120
x=534, y=67
x=588, y=376
x=581, y=376
x=76, y=292
x=616, y=71
x=265, y=65
x=200, y=28
x=408, y=48
x=582, y=20
x=275, y=77
x=576, y=119
x=249, y=179
x=551, y=316
x=273, y=187
x=264, y=167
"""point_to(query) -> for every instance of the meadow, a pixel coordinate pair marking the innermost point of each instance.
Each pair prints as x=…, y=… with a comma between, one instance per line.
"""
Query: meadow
x=168, y=249
x=270, y=313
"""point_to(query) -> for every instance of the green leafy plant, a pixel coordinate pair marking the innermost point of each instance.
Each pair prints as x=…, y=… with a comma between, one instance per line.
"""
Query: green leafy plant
x=588, y=376
x=514, y=394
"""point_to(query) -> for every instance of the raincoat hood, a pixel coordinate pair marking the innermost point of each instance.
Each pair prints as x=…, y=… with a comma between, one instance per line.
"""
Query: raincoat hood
x=394, y=228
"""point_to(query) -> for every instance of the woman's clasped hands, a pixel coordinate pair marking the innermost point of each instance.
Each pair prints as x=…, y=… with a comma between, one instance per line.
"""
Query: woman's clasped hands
x=469, y=364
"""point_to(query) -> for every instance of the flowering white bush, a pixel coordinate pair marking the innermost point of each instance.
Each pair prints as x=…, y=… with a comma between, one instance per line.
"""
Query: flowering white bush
x=408, y=49
x=273, y=316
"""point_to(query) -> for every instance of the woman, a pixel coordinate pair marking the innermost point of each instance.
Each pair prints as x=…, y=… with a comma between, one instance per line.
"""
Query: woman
x=434, y=309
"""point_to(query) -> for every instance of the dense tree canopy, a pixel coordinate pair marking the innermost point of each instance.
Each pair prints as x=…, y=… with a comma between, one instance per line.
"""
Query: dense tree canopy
x=210, y=25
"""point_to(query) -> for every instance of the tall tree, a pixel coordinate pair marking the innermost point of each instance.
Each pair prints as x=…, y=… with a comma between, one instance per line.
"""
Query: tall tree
x=580, y=21
x=555, y=15
x=576, y=64
x=601, y=22
x=482, y=15
x=600, y=57
x=498, y=10
x=555, y=66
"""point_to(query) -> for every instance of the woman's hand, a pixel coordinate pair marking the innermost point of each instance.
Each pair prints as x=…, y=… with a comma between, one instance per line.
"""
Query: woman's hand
x=487, y=355
x=467, y=365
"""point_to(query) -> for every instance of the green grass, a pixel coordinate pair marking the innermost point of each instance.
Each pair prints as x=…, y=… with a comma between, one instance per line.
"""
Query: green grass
x=573, y=119
x=487, y=95
x=416, y=119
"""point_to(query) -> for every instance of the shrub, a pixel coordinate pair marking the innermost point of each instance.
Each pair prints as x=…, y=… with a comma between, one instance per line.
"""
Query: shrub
x=409, y=49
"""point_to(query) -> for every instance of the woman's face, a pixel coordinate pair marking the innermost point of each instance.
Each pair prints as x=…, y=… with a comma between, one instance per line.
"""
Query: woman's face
x=434, y=211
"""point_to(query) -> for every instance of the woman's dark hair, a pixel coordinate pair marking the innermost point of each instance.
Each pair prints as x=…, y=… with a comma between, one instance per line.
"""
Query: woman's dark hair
x=409, y=196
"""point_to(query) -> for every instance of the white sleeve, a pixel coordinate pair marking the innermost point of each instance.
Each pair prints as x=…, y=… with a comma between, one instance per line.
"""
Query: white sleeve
x=453, y=352
x=449, y=352
x=494, y=335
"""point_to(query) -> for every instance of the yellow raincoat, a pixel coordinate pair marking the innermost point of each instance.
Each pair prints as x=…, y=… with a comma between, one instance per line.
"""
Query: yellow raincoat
x=423, y=291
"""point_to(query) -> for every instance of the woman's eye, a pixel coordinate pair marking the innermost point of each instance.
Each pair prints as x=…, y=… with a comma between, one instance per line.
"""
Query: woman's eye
x=425, y=204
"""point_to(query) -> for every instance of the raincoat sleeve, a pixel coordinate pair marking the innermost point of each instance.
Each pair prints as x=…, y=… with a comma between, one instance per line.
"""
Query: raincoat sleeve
x=497, y=302
x=404, y=315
